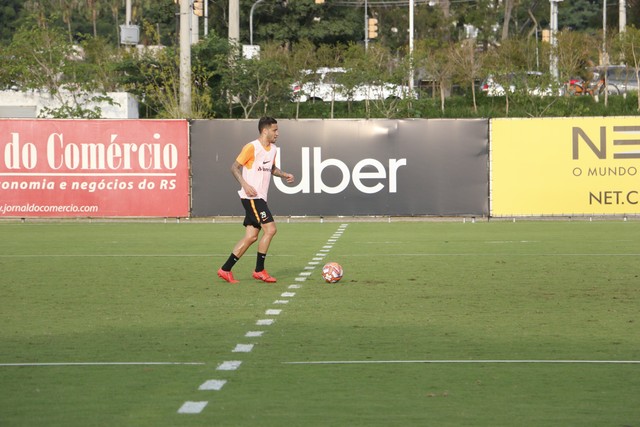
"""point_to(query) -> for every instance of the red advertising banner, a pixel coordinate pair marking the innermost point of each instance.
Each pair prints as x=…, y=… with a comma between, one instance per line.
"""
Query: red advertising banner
x=94, y=168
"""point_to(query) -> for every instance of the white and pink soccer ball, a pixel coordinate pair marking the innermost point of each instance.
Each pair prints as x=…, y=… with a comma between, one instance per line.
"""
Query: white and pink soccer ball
x=332, y=272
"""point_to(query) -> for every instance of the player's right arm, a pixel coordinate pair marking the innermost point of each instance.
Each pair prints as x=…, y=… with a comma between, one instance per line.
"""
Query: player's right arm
x=244, y=159
x=236, y=170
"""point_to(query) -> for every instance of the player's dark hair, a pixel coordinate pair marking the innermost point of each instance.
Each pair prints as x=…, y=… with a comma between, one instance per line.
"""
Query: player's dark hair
x=266, y=122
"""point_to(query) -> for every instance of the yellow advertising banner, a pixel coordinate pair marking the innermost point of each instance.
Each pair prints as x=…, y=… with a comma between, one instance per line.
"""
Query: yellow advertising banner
x=565, y=166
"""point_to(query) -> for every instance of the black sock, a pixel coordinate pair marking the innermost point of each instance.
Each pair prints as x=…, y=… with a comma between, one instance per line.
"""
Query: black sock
x=260, y=262
x=230, y=262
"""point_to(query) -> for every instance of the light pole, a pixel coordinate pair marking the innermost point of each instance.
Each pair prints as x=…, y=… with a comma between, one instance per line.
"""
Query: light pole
x=553, y=38
x=185, y=57
x=127, y=20
x=605, y=55
x=366, y=25
x=206, y=18
x=411, y=46
x=253, y=7
x=234, y=22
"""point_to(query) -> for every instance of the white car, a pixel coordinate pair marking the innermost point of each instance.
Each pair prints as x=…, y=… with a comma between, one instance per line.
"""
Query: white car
x=533, y=81
x=324, y=85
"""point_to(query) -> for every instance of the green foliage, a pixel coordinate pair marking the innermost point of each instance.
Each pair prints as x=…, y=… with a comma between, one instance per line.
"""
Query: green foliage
x=77, y=106
x=40, y=58
x=9, y=12
x=251, y=82
x=210, y=58
x=629, y=47
x=461, y=106
x=154, y=76
x=44, y=54
x=467, y=65
x=575, y=54
x=437, y=63
x=290, y=22
x=37, y=58
x=580, y=15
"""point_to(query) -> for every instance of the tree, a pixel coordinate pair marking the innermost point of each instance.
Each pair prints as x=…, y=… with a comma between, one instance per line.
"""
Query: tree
x=575, y=54
x=303, y=61
x=482, y=15
x=467, y=65
x=289, y=22
x=250, y=82
x=114, y=6
x=9, y=13
x=629, y=46
x=68, y=7
x=430, y=23
x=154, y=76
x=357, y=72
x=39, y=58
x=434, y=59
x=502, y=65
x=508, y=8
x=98, y=68
x=211, y=56
x=161, y=14
x=581, y=15
x=380, y=69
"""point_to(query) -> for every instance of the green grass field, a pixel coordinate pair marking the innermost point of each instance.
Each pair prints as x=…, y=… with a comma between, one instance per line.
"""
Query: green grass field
x=433, y=324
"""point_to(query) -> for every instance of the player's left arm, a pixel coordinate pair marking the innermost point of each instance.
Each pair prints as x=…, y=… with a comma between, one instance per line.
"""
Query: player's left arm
x=280, y=174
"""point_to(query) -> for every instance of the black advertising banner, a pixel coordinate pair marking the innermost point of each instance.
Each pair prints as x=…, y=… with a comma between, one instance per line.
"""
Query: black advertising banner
x=350, y=167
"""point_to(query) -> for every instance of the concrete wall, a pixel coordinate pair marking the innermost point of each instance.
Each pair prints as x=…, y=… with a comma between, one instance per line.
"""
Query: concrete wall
x=30, y=104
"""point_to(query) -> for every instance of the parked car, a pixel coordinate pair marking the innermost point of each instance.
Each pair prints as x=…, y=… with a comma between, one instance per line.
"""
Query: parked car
x=620, y=79
x=324, y=85
x=533, y=82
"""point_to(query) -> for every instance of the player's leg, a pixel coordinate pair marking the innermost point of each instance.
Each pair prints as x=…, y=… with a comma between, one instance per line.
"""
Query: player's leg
x=269, y=230
x=252, y=229
x=250, y=237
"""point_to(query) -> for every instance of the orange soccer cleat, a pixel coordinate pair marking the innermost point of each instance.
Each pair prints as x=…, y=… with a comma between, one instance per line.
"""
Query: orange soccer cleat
x=264, y=276
x=227, y=276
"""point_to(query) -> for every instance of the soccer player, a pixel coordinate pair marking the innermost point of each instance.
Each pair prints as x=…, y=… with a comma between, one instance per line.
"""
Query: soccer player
x=253, y=169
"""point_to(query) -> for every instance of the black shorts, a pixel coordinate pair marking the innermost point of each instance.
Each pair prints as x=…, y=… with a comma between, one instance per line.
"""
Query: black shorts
x=256, y=212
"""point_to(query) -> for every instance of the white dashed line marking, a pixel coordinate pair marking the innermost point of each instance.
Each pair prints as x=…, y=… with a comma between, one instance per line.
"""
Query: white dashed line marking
x=229, y=365
x=212, y=385
x=192, y=407
x=243, y=348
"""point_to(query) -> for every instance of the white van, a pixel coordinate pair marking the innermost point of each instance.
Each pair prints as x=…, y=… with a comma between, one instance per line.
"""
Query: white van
x=324, y=85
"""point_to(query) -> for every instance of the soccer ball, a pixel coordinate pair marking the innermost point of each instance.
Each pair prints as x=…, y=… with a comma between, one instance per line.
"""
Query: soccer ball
x=332, y=272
